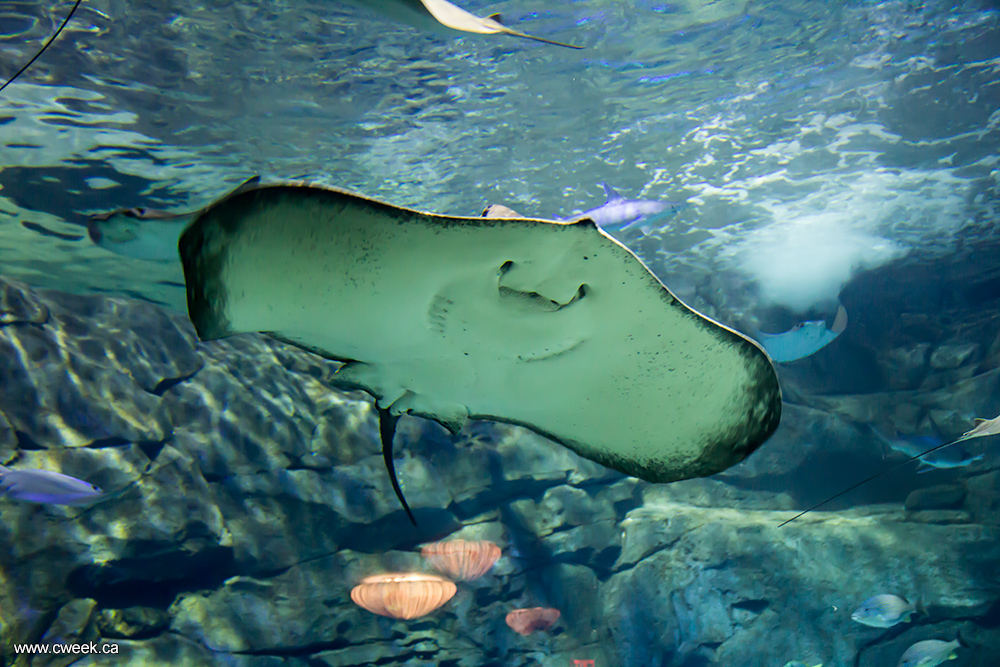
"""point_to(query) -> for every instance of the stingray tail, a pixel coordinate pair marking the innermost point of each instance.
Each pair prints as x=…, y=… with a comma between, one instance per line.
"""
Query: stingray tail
x=875, y=476
x=387, y=431
x=517, y=33
x=45, y=46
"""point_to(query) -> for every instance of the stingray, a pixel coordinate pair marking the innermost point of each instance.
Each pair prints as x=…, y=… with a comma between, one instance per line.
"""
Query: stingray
x=553, y=326
x=146, y=233
x=804, y=339
x=442, y=16
x=983, y=428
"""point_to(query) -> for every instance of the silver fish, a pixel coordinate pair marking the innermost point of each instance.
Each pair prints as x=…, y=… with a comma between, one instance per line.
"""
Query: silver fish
x=884, y=611
x=618, y=213
x=929, y=653
x=45, y=486
x=948, y=457
x=951, y=456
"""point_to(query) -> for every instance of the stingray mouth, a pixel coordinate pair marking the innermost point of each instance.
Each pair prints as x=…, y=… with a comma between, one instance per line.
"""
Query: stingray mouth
x=535, y=301
x=532, y=300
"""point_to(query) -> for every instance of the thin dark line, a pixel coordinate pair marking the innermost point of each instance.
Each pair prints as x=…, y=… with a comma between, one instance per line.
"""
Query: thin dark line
x=42, y=50
x=875, y=476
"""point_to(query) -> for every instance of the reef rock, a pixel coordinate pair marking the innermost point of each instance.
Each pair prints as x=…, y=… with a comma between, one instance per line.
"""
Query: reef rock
x=244, y=499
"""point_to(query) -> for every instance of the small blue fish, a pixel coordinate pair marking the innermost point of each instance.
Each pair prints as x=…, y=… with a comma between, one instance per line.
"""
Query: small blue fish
x=929, y=653
x=804, y=339
x=884, y=611
x=45, y=486
x=618, y=213
x=952, y=456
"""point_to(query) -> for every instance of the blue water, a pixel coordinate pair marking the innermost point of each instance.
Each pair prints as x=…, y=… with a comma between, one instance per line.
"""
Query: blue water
x=820, y=149
x=810, y=141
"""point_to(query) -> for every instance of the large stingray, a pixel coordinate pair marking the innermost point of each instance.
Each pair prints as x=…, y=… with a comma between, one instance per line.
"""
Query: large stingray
x=442, y=16
x=554, y=326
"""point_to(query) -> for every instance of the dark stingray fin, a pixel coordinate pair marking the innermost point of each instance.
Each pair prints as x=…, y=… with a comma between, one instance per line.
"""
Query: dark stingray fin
x=248, y=184
x=387, y=431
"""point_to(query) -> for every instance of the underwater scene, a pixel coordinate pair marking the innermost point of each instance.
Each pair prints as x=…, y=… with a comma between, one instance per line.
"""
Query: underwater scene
x=510, y=333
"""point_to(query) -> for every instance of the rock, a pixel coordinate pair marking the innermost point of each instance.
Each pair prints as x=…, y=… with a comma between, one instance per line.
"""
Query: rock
x=561, y=508
x=575, y=591
x=20, y=305
x=132, y=622
x=245, y=498
x=732, y=579
x=138, y=339
x=8, y=439
x=948, y=357
x=60, y=399
x=942, y=517
x=311, y=599
x=572, y=525
x=904, y=367
x=595, y=545
x=175, y=651
x=514, y=463
x=802, y=432
x=647, y=530
x=943, y=496
x=74, y=624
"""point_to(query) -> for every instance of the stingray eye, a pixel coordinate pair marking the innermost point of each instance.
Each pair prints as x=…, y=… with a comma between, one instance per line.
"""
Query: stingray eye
x=137, y=212
x=506, y=266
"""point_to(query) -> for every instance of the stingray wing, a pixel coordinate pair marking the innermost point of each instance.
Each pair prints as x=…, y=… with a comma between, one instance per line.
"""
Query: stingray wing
x=147, y=234
x=437, y=14
x=553, y=326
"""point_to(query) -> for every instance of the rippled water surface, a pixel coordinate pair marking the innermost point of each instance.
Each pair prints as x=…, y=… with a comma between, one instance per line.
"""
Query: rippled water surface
x=810, y=139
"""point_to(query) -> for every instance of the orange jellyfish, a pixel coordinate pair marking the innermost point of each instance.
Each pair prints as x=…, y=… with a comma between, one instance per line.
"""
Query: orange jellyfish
x=526, y=621
x=462, y=560
x=402, y=594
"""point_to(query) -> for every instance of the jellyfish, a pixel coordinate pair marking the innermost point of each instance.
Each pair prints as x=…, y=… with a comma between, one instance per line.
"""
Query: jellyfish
x=403, y=595
x=526, y=621
x=462, y=560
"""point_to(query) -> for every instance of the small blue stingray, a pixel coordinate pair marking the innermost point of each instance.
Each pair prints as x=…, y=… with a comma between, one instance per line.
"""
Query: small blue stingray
x=804, y=339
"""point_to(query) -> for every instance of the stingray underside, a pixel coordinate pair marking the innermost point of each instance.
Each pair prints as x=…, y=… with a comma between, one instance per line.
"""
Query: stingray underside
x=553, y=326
